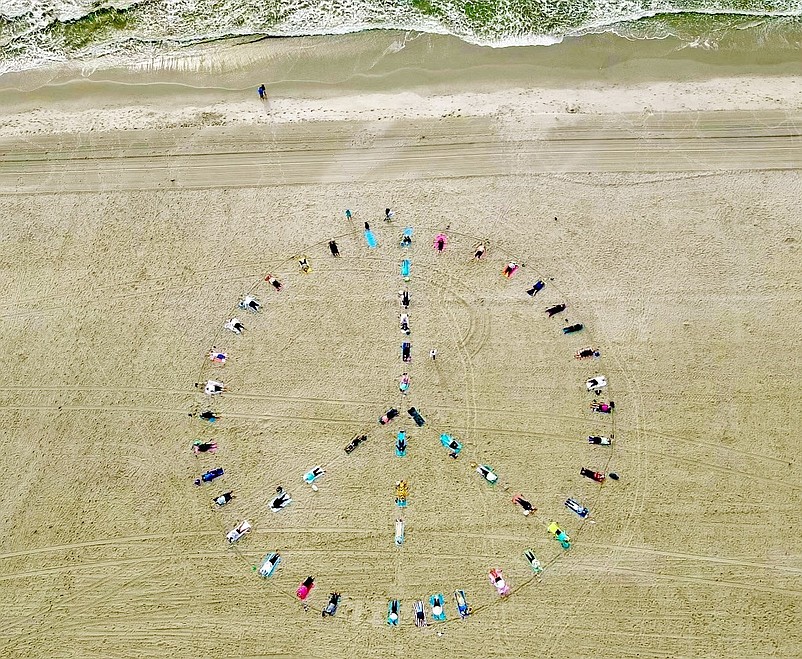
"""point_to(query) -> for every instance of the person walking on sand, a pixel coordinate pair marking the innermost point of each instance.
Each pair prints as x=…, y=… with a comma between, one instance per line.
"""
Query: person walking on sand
x=262, y=92
x=433, y=354
x=348, y=214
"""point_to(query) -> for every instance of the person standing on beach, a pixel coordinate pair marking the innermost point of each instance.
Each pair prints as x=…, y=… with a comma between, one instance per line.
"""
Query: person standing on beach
x=262, y=92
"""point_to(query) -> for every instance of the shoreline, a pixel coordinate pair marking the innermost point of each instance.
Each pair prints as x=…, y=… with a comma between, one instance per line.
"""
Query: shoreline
x=711, y=28
x=380, y=76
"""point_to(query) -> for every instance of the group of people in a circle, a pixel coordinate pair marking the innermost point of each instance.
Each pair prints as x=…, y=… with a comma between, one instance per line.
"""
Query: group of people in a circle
x=251, y=305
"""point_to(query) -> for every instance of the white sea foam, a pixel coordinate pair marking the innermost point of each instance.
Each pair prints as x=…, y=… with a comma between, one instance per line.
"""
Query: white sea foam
x=160, y=26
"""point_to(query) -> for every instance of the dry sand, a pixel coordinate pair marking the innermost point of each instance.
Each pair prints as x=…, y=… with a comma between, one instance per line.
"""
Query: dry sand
x=674, y=237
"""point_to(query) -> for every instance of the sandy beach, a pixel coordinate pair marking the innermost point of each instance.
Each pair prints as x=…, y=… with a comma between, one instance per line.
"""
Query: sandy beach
x=656, y=196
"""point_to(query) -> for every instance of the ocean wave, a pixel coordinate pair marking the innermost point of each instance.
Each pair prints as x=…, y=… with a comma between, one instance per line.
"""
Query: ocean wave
x=35, y=33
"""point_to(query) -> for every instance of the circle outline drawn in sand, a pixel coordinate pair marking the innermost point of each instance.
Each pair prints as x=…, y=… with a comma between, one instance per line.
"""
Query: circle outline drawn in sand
x=463, y=342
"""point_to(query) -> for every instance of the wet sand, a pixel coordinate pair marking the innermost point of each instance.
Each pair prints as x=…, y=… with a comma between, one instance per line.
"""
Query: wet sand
x=383, y=76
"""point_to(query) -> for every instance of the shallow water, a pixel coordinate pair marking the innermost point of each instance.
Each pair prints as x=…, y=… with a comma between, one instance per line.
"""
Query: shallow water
x=44, y=32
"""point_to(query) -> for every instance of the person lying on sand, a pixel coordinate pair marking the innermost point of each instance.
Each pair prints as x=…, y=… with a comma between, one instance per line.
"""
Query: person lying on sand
x=235, y=325
x=510, y=269
x=250, y=303
x=212, y=387
x=209, y=476
x=553, y=311
x=207, y=415
x=280, y=501
x=403, y=383
x=223, y=499
x=536, y=288
x=275, y=283
x=217, y=357
x=525, y=505
x=587, y=353
x=305, y=588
